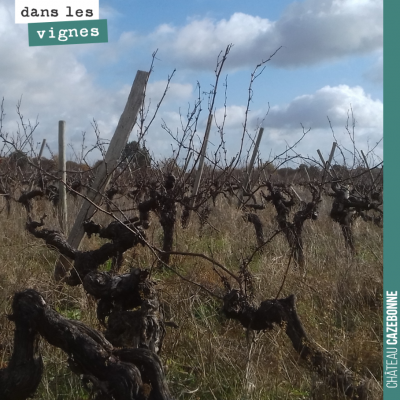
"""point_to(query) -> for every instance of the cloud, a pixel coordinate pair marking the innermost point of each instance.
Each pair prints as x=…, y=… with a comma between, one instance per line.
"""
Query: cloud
x=340, y=104
x=282, y=125
x=56, y=85
x=176, y=91
x=310, y=32
x=283, y=122
x=198, y=43
x=335, y=102
x=53, y=84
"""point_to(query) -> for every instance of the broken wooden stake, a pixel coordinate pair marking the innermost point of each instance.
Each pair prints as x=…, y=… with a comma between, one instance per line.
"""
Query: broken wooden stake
x=103, y=174
x=370, y=173
x=201, y=161
x=62, y=175
x=306, y=171
x=38, y=161
x=327, y=165
x=253, y=158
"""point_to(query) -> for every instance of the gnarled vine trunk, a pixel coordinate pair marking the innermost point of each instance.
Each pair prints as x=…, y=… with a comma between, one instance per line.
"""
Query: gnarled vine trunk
x=114, y=374
x=283, y=312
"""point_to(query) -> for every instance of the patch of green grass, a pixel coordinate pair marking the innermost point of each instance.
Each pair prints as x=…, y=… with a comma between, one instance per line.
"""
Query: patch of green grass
x=70, y=313
x=107, y=266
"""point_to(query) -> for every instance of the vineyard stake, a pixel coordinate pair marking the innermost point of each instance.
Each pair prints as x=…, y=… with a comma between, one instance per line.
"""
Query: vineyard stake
x=38, y=161
x=41, y=149
x=201, y=161
x=253, y=158
x=62, y=174
x=370, y=173
x=103, y=174
x=327, y=164
x=306, y=171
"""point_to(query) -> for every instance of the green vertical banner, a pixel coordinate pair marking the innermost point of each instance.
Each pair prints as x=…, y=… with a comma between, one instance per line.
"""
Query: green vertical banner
x=391, y=234
x=68, y=32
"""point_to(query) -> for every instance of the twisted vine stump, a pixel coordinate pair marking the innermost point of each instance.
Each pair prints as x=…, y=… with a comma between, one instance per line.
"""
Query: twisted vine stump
x=163, y=202
x=20, y=379
x=283, y=200
x=26, y=199
x=283, y=313
x=123, y=235
x=117, y=294
x=113, y=374
x=258, y=226
x=347, y=207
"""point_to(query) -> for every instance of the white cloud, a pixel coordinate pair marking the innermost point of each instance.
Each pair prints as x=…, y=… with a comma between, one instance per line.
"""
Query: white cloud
x=56, y=85
x=234, y=116
x=339, y=104
x=176, y=91
x=312, y=110
x=283, y=124
x=311, y=31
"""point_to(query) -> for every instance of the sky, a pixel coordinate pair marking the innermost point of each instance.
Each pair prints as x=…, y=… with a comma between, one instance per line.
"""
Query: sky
x=329, y=64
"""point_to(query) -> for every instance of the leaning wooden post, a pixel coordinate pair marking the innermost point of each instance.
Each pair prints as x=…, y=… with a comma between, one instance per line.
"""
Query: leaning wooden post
x=323, y=162
x=253, y=158
x=294, y=191
x=254, y=155
x=103, y=174
x=370, y=173
x=328, y=163
x=41, y=149
x=201, y=161
x=306, y=171
x=331, y=157
x=38, y=161
x=62, y=174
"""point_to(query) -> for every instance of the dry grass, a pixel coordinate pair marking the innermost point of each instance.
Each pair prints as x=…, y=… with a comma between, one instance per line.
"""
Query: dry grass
x=339, y=301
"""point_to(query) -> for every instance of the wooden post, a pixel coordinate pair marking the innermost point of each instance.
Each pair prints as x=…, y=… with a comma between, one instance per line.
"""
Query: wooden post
x=201, y=162
x=253, y=158
x=255, y=151
x=103, y=174
x=306, y=171
x=322, y=160
x=294, y=191
x=370, y=173
x=38, y=160
x=41, y=149
x=331, y=158
x=62, y=174
x=328, y=163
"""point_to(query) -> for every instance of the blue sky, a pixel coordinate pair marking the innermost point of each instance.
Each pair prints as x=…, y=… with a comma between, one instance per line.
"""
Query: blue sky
x=331, y=59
